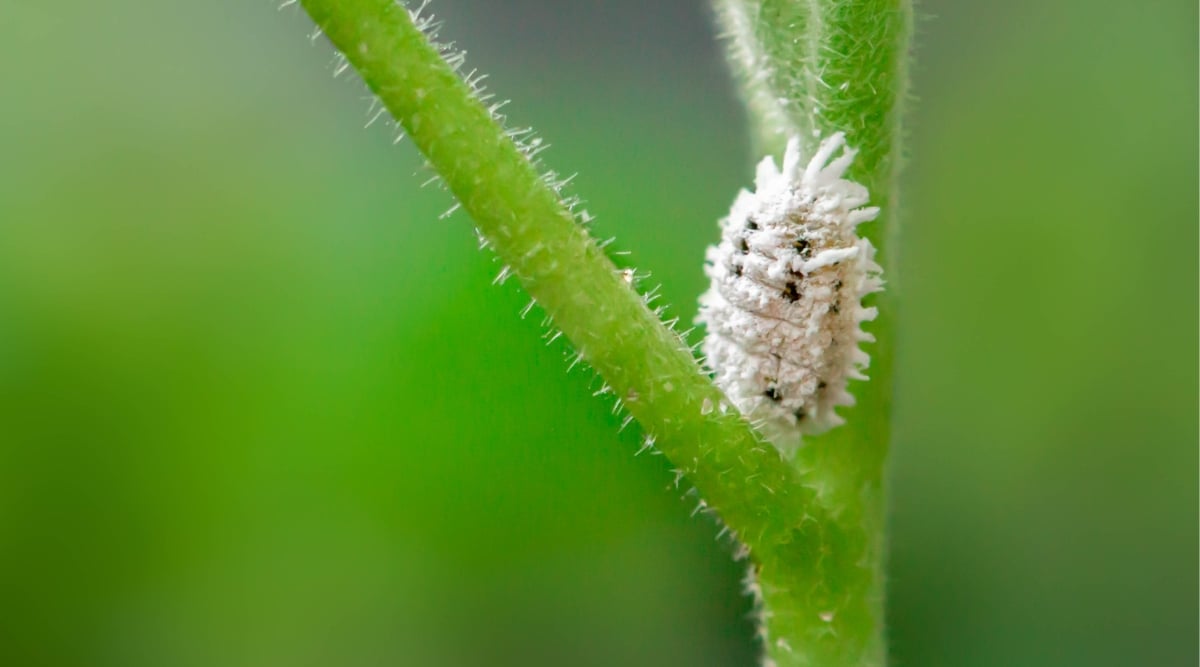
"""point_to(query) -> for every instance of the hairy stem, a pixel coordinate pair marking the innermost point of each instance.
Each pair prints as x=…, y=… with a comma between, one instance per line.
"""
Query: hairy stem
x=814, y=529
x=810, y=68
x=650, y=369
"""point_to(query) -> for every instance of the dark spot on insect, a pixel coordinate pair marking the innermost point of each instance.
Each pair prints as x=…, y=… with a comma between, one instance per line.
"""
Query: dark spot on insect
x=743, y=246
x=751, y=224
x=737, y=270
x=800, y=414
x=835, y=307
x=772, y=393
x=821, y=385
x=837, y=285
x=804, y=248
x=791, y=292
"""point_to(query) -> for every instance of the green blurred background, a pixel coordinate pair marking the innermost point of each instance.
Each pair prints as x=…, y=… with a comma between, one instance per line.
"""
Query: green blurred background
x=260, y=407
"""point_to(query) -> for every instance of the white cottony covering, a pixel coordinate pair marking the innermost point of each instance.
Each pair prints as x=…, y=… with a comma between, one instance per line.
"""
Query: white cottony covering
x=784, y=313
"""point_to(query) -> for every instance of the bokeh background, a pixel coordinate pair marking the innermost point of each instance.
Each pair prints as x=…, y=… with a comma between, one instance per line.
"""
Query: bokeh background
x=259, y=406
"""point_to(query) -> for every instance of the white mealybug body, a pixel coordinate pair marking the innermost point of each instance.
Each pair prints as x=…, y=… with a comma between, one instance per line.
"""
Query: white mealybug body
x=784, y=313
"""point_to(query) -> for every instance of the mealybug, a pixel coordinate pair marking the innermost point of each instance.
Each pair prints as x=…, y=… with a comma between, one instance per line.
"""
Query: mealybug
x=784, y=311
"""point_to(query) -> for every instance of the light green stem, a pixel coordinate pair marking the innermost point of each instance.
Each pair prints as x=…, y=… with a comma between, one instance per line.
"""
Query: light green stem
x=651, y=370
x=814, y=529
x=811, y=68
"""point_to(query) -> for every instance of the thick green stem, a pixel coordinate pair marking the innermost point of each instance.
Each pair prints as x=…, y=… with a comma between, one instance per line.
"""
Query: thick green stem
x=649, y=367
x=810, y=68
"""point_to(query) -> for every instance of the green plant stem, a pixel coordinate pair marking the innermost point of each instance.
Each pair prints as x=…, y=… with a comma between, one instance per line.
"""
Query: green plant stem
x=811, y=68
x=814, y=529
x=650, y=369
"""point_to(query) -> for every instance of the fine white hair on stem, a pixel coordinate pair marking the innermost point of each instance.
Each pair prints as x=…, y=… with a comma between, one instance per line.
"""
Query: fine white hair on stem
x=784, y=311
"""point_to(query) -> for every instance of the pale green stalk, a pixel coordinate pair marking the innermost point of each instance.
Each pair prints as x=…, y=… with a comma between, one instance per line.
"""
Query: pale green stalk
x=810, y=68
x=812, y=530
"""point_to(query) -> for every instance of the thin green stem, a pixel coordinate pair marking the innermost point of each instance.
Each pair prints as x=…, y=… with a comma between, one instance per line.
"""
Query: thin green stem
x=810, y=68
x=650, y=369
x=814, y=530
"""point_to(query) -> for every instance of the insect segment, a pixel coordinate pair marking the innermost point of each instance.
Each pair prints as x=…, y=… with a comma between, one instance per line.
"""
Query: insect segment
x=784, y=313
